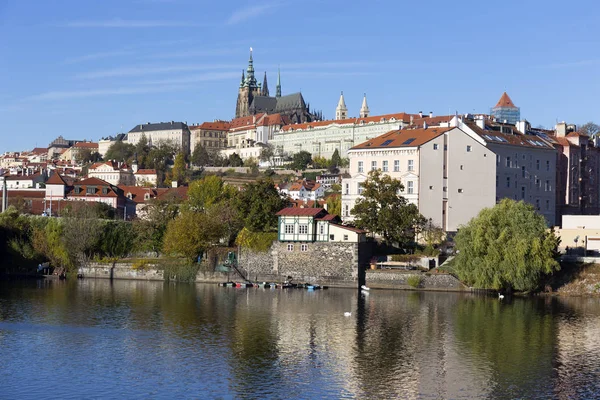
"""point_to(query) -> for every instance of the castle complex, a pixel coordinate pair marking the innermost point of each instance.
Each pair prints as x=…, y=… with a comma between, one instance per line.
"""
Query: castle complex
x=253, y=98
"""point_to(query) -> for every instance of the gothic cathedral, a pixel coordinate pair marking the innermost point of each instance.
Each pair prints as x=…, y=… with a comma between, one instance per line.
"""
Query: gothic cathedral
x=253, y=98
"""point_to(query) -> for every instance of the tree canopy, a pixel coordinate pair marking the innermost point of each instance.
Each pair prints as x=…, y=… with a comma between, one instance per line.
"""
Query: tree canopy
x=120, y=151
x=384, y=211
x=301, y=159
x=200, y=156
x=591, y=129
x=235, y=160
x=257, y=205
x=506, y=247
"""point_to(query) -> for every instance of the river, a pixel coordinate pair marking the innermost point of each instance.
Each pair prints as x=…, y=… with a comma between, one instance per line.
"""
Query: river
x=137, y=339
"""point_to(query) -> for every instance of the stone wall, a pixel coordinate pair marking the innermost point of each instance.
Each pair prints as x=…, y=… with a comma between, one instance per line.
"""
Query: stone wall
x=391, y=279
x=121, y=271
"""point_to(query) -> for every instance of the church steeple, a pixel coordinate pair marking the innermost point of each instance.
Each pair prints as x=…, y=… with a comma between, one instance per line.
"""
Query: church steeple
x=265, y=87
x=364, y=109
x=250, y=79
x=243, y=79
x=341, y=112
x=278, y=89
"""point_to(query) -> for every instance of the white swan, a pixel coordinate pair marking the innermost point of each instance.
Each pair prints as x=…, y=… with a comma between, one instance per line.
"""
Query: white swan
x=365, y=287
x=347, y=314
x=500, y=296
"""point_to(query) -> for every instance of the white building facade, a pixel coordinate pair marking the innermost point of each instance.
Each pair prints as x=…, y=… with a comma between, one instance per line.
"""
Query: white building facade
x=173, y=132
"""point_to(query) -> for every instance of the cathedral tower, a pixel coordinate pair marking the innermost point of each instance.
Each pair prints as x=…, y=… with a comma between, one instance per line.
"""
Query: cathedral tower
x=364, y=109
x=341, y=112
x=248, y=89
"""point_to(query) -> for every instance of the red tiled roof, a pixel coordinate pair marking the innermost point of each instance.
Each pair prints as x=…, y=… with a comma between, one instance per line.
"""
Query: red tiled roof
x=180, y=192
x=146, y=172
x=401, y=138
x=505, y=101
x=328, y=217
x=138, y=193
x=113, y=164
x=295, y=211
x=577, y=134
x=245, y=121
x=377, y=118
x=516, y=138
x=27, y=194
x=56, y=179
x=39, y=150
x=86, y=145
x=93, y=182
x=213, y=126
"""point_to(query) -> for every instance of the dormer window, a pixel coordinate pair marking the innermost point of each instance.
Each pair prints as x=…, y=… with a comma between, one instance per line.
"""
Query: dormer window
x=104, y=190
x=130, y=196
x=77, y=189
x=91, y=190
x=147, y=196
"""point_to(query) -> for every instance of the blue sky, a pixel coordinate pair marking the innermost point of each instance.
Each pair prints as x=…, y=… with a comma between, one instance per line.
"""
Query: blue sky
x=86, y=69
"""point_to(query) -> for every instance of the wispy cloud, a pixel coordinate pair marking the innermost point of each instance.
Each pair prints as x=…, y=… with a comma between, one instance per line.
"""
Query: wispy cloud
x=138, y=71
x=251, y=12
x=190, y=79
x=124, y=23
x=98, y=56
x=78, y=94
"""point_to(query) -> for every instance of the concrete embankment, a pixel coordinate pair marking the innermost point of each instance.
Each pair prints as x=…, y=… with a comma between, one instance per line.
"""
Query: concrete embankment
x=393, y=279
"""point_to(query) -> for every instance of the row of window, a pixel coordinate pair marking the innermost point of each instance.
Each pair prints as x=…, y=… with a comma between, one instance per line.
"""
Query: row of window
x=302, y=229
x=303, y=247
x=514, y=163
x=538, y=184
x=385, y=166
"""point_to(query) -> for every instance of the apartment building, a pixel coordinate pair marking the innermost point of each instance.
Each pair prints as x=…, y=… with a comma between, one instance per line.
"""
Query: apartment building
x=173, y=132
x=446, y=172
x=210, y=135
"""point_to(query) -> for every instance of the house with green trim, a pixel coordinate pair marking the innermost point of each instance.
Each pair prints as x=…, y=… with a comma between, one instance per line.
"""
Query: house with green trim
x=315, y=225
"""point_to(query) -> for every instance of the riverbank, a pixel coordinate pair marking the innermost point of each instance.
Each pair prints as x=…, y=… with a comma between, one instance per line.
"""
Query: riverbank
x=576, y=279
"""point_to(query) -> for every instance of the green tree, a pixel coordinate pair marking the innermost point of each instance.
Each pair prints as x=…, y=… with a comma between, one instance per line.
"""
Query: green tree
x=178, y=172
x=301, y=159
x=235, y=160
x=81, y=233
x=207, y=192
x=120, y=151
x=151, y=229
x=192, y=233
x=382, y=210
x=200, y=156
x=257, y=205
x=336, y=160
x=252, y=164
x=87, y=156
x=507, y=246
x=334, y=204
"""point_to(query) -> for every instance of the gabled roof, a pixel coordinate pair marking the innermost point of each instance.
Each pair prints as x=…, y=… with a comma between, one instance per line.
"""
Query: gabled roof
x=302, y=212
x=402, y=138
x=516, y=138
x=39, y=150
x=248, y=121
x=112, y=164
x=138, y=193
x=56, y=179
x=92, y=182
x=404, y=117
x=146, y=172
x=505, y=101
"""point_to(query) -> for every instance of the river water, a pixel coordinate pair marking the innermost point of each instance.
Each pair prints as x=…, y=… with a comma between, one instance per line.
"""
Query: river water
x=137, y=339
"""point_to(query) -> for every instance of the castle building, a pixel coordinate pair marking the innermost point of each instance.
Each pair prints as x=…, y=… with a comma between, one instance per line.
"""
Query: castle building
x=253, y=98
x=506, y=111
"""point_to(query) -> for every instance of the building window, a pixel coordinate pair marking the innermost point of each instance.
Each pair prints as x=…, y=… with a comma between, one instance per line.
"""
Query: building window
x=303, y=247
x=508, y=181
x=435, y=146
x=496, y=180
x=322, y=228
x=360, y=188
x=411, y=165
x=290, y=247
x=346, y=210
x=547, y=204
x=385, y=166
x=360, y=166
x=507, y=162
x=460, y=190
x=537, y=204
x=538, y=183
x=373, y=165
x=547, y=187
x=303, y=229
x=547, y=165
x=410, y=187
x=91, y=190
x=345, y=237
x=289, y=228
x=523, y=172
x=523, y=192
x=396, y=165
x=331, y=237
x=537, y=164
x=469, y=149
x=461, y=167
x=497, y=159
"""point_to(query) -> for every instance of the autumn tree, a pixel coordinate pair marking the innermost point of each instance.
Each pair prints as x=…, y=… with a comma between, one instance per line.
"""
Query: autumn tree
x=207, y=192
x=334, y=204
x=384, y=211
x=151, y=229
x=507, y=246
x=178, y=172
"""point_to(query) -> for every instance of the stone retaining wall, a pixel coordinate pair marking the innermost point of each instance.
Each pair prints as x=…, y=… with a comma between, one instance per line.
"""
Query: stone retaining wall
x=387, y=279
x=121, y=271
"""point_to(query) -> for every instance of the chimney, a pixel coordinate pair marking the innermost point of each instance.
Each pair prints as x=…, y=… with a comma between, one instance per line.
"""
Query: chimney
x=420, y=114
x=174, y=184
x=424, y=124
x=561, y=129
x=430, y=114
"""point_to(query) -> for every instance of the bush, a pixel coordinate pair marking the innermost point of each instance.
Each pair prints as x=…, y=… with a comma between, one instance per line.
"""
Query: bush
x=407, y=258
x=257, y=241
x=140, y=264
x=414, y=281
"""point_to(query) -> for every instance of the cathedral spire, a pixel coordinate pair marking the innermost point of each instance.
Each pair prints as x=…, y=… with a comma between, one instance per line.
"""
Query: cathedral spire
x=278, y=89
x=243, y=79
x=364, y=109
x=341, y=112
x=265, y=87
x=250, y=79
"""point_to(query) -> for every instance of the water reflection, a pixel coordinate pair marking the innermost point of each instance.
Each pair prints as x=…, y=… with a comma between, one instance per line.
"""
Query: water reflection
x=150, y=339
